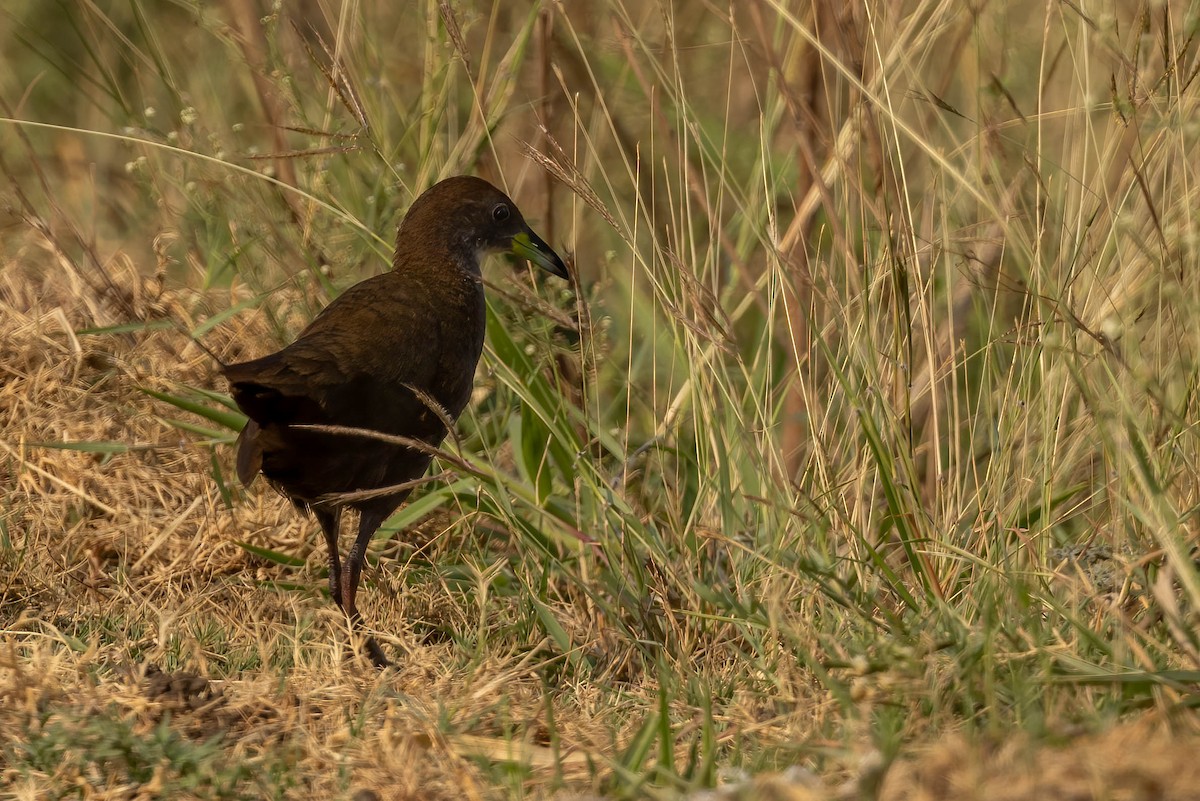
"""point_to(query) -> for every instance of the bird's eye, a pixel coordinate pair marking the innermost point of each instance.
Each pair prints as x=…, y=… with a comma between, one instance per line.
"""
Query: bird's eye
x=500, y=213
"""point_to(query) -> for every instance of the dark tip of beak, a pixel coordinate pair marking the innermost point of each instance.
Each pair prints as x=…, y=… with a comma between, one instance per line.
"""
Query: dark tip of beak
x=529, y=245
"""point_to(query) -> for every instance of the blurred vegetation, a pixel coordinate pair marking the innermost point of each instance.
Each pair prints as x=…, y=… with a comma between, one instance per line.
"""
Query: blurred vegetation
x=870, y=411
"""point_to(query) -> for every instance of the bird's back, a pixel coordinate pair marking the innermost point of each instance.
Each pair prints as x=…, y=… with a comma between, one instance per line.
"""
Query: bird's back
x=379, y=357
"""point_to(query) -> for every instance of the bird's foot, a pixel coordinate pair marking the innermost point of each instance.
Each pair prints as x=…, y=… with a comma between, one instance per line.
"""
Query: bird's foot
x=378, y=658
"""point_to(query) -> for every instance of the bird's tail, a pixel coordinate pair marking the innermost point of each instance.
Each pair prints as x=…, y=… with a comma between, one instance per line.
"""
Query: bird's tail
x=249, y=453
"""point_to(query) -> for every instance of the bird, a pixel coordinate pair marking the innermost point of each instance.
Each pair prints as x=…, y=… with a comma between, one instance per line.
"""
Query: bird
x=394, y=354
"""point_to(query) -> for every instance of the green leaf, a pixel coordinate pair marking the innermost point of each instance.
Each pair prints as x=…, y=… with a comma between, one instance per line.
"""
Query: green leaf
x=90, y=447
x=272, y=556
x=192, y=428
x=412, y=513
x=219, y=477
x=221, y=316
x=217, y=397
x=639, y=748
x=126, y=328
x=555, y=630
x=231, y=420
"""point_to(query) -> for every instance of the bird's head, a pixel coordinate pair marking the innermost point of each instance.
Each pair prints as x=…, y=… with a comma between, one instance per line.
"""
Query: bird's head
x=477, y=219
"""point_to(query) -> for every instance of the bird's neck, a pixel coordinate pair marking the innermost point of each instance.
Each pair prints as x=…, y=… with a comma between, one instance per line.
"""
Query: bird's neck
x=448, y=273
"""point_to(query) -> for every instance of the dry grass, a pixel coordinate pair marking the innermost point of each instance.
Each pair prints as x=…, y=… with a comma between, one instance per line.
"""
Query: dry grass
x=860, y=462
x=124, y=562
x=129, y=560
x=1138, y=761
x=130, y=606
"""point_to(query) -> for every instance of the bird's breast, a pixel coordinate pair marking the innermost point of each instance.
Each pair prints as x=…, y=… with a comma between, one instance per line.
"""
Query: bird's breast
x=461, y=339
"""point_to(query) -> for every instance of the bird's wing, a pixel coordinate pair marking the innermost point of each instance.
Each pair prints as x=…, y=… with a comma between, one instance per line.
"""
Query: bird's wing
x=372, y=340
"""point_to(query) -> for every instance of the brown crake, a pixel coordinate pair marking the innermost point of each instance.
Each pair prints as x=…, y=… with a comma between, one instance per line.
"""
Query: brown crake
x=396, y=354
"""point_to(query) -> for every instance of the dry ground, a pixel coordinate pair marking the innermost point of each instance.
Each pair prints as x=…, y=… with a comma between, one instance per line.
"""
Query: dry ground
x=876, y=388
x=144, y=653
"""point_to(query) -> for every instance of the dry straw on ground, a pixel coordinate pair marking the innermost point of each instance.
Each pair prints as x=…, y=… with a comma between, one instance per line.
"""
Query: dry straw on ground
x=134, y=553
x=873, y=402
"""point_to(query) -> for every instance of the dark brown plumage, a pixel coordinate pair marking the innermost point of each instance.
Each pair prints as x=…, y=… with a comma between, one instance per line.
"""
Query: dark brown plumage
x=396, y=354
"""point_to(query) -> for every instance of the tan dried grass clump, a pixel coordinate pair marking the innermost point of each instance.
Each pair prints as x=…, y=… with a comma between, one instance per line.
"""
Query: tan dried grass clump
x=126, y=599
x=1132, y=762
x=108, y=500
x=125, y=561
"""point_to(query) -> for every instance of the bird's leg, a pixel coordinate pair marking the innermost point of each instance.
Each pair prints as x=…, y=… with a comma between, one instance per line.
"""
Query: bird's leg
x=368, y=523
x=329, y=520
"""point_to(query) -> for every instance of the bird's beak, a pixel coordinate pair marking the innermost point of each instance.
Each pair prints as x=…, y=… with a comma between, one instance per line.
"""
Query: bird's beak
x=529, y=245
